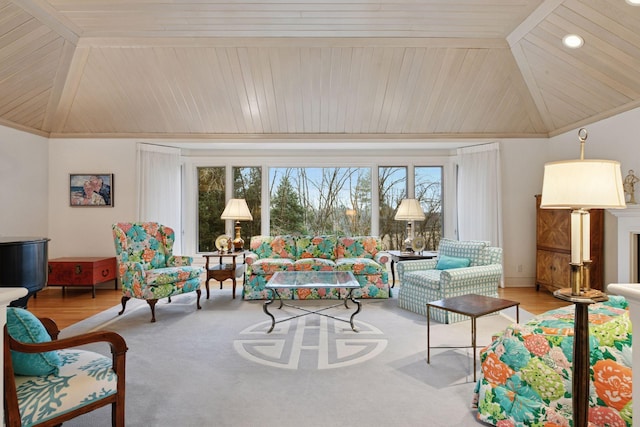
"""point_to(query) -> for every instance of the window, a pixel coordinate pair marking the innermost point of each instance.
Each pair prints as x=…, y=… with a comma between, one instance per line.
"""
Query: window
x=428, y=189
x=393, y=183
x=392, y=188
x=211, y=202
x=247, y=184
x=319, y=201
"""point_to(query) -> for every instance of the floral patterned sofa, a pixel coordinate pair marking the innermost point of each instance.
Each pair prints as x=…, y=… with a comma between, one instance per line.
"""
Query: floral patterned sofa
x=361, y=255
x=526, y=371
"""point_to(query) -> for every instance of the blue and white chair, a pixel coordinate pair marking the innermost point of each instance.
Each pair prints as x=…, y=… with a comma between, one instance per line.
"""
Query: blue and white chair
x=461, y=268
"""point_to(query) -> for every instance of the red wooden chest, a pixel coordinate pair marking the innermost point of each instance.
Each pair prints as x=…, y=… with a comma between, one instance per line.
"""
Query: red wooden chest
x=82, y=271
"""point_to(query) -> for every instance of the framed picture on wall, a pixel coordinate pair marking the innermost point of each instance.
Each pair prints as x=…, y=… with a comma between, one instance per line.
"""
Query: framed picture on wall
x=87, y=189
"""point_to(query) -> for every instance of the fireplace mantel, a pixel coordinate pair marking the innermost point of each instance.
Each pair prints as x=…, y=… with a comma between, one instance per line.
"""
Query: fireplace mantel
x=628, y=230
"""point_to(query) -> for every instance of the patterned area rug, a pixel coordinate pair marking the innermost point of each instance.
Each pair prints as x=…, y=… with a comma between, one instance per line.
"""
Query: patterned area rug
x=218, y=366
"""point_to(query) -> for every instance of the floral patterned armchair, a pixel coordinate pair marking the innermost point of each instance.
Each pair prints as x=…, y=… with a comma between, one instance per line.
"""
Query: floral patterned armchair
x=146, y=266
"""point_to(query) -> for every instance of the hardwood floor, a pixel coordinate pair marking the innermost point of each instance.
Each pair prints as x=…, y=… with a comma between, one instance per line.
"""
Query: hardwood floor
x=75, y=304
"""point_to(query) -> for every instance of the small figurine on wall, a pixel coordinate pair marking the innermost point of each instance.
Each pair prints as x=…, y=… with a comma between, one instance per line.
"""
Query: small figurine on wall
x=629, y=187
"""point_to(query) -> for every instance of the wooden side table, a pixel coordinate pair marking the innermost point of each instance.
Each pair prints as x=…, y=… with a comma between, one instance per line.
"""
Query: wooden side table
x=471, y=305
x=397, y=256
x=222, y=271
x=82, y=271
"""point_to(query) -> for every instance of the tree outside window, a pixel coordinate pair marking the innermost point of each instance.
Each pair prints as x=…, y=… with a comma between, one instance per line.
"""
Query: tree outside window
x=211, y=202
x=392, y=188
x=319, y=201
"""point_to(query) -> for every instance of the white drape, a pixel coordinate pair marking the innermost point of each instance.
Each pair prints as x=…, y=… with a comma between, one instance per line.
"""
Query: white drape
x=479, y=193
x=159, y=188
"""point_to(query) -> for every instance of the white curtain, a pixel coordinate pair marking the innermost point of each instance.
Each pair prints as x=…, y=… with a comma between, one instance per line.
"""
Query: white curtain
x=159, y=188
x=479, y=193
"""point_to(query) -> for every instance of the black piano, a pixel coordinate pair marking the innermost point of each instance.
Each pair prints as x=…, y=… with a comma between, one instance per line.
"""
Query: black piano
x=23, y=263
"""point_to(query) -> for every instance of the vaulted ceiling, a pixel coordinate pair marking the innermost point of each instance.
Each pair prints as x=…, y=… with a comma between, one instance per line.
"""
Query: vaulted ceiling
x=332, y=68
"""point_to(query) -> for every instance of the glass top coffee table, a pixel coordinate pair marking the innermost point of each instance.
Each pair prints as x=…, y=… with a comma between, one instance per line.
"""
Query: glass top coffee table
x=311, y=279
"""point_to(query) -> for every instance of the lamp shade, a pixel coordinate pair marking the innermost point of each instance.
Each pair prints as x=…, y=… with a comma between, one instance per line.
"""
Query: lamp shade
x=582, y=184
x=410, y=210
x=238, y=210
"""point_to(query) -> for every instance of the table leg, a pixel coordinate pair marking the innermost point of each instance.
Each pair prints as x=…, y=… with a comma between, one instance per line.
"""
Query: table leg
x=357, y=302
x=266, y=310
x=428, y=334
x=393, y=273
x=234, y=285
x=473, y=344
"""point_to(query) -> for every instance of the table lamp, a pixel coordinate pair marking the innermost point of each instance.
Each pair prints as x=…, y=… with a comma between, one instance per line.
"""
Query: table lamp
x=409, y=210
x=581, y=185
x=237, y=210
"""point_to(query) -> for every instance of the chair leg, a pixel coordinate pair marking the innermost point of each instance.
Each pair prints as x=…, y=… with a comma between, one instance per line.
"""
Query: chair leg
x=117, y=414
x=123, y=301
x=152, y=304
x=198, y=292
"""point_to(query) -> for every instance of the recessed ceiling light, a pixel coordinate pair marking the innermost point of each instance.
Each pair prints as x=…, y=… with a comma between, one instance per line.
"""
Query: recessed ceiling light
x=633, y=2
x=573, y=41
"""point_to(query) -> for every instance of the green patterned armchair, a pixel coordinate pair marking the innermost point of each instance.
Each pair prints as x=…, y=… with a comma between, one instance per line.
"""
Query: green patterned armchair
x=146, y=266
x=423, y=281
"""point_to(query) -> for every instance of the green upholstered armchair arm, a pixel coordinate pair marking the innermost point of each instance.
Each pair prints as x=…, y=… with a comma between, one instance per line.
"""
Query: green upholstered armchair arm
x=475, y=278
x=178, y=260
x=415, y=265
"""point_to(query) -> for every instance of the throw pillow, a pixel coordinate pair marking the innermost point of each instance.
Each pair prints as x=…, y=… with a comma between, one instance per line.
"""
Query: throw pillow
x=446, y=262
x=25, y=327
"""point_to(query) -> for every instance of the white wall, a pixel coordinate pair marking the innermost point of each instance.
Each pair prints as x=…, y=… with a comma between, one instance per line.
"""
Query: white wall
x=522, y=167
x=87, y=231
x=24, y=176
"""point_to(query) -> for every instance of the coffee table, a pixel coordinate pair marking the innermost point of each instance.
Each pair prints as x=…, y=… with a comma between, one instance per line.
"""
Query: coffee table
x=474, y=306
x=312, y=279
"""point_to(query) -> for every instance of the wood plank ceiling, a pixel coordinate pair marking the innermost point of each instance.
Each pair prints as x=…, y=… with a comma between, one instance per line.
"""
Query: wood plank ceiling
x=330, y=68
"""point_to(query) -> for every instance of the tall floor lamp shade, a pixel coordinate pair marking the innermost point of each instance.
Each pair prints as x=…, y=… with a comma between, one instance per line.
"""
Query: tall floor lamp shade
x=409, y=210
x=581, y=185
x=237, y=210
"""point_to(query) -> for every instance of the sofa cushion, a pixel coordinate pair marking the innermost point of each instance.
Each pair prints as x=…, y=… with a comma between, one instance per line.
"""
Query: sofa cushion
x=474, y=250
x=274, y=246
x=359, y=266
x=446, y=262
x=271, y=265
x=358, y=247
x=25, y=327
x=314, y=264
x=316, y=247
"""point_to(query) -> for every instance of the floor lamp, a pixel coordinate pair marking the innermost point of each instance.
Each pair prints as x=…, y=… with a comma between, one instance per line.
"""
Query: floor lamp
x=581, y=185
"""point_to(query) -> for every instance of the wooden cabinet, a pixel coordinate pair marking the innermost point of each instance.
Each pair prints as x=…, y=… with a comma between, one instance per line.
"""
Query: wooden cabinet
x=553, y=248
x=82, y=271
